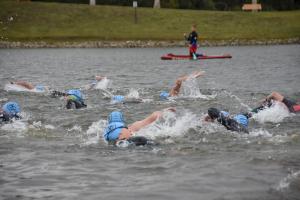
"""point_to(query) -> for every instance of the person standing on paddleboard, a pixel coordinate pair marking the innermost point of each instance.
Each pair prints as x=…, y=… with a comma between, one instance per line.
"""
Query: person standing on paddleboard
x=192, y=38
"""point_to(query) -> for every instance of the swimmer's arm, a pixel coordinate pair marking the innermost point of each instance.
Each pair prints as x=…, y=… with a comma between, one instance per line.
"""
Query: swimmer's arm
x=176, y=89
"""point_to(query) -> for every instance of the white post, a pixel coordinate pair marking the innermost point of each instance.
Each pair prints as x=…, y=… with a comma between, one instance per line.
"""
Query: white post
x=253, y=3
x=92, y=2
x=156, y=4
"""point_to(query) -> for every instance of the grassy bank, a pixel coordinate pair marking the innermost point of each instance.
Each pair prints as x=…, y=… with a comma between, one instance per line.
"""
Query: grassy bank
x=31, y=21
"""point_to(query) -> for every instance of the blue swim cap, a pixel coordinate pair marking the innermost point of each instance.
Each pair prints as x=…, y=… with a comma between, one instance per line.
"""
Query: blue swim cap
x=118, y=98
x=241, y=119
x=115, y=116
x=225, y=114
x=40, y=88
x=113, y=131
x=11, y=108
x=76, y=93
x=164, y=95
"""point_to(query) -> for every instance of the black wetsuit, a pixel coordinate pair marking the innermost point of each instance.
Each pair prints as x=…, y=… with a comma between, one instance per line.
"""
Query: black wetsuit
x=56, y=93
x=291, y=105
x=231, y=124
x=4, y=117
x=192, y=38
x=72, y=104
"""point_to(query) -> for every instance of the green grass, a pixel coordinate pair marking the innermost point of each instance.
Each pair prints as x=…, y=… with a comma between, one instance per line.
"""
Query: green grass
x=72, y=22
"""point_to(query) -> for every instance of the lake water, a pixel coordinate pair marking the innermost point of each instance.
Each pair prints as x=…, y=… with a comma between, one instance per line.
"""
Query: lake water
x=54, y=153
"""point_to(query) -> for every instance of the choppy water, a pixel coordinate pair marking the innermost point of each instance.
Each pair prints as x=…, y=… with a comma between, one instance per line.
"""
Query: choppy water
x=55, y=153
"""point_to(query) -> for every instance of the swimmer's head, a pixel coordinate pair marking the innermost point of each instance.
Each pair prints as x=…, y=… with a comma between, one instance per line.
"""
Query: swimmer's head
x=213, y=113
x=164, y=95
x=40, y=88
x=115, y=116
x=75, y=92
x=241, y=119
x=193, y=27
x=11, y=108
x=118, y=98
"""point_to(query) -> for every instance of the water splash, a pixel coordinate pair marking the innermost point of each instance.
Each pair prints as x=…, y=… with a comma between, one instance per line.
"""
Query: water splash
x=260, y=133
x=170, y=125
x=133, y=93
x=75, y=129
x=191, y=89
x=276, y=113
x=285, y=183
x=103, y=84
x=94, y=132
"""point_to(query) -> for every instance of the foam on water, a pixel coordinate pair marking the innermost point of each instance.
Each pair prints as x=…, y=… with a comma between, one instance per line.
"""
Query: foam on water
x=133, y=93
x=94, y=132
x=285, y=182
x=170, y=124
x=36, y=125
x=276, y=113
x=260, y=133
x=16, y=126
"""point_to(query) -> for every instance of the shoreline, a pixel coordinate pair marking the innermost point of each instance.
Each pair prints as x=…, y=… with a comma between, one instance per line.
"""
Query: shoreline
x=141, y=44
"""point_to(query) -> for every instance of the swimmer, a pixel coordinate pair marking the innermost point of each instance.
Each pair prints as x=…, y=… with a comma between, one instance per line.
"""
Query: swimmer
x=117, y=129
x=237, y=123
x=123, y=99
x=176, y=89
x=93, y=84
x=292, y=106
x=74, y=99
x=10, y=110
x=28, y=86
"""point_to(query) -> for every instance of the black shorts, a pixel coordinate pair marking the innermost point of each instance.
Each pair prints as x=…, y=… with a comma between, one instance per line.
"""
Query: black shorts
x=290, y=104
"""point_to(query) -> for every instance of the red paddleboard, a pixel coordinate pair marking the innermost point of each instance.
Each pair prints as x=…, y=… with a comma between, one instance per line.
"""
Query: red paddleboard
x=171, y=56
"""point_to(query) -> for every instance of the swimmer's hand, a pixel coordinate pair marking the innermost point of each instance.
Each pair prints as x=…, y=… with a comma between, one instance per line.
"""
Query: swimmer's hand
x=172, y=109
x=196, y=74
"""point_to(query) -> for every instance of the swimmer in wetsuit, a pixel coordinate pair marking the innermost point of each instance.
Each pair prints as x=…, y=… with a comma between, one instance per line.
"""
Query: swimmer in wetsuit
x=176, y=89
x=10, y=110
x=117, y=130
x=74, y=99
x=237, y=123
x=275, y=96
